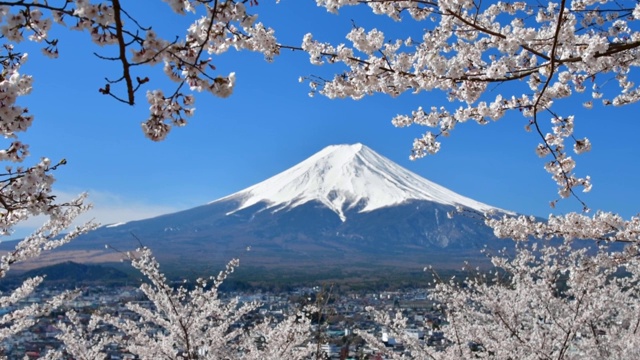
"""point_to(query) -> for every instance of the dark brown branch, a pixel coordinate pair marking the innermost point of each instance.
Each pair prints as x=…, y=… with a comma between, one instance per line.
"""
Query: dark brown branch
x=552, y=68
x=122, y=52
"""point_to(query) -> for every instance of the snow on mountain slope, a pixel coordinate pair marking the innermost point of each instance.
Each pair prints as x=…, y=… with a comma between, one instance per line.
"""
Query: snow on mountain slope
x=344, y=176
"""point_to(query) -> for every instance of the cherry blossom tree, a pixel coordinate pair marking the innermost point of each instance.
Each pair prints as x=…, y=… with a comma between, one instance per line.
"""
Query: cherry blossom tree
x=560, y=302
x=556, y=302
x=26, y=190
x=188, y=324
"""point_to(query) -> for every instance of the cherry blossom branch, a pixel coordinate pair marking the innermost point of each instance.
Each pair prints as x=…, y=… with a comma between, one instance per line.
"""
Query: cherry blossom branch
x=467, y=48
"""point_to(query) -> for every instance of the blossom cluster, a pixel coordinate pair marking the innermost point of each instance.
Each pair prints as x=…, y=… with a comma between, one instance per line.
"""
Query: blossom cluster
x=27, y=192
x=187, y=324
x=225, y=25
x=549, y=301
x=603, y=226
x=217, y=27
x=548, y=51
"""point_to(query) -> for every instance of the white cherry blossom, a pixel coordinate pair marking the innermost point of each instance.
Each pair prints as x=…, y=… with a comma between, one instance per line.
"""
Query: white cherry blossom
x=546, y=301
x=188, y=324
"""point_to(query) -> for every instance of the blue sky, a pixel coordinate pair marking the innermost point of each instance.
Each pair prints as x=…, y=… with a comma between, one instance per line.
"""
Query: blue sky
x=270, y=124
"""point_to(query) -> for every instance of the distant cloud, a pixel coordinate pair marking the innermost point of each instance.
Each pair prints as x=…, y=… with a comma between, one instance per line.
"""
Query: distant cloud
x=108, y=208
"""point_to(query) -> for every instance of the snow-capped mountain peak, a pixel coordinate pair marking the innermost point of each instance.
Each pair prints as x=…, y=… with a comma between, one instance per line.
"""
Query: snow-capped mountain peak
x=344, y=176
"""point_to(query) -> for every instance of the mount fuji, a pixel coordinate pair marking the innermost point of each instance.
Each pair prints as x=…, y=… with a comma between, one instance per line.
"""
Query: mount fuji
x=344, y=206
x=343, y=177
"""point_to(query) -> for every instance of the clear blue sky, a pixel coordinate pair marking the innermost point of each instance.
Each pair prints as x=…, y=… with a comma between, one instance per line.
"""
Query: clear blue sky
x=270, y=124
